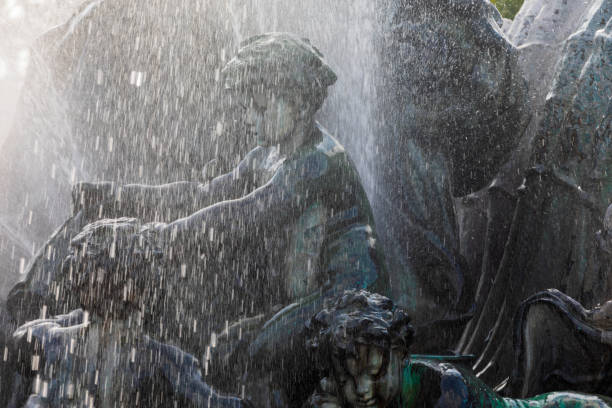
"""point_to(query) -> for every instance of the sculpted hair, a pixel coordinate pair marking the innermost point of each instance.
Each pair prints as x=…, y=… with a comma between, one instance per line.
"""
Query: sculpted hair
x=358, y=318
x=280, y=62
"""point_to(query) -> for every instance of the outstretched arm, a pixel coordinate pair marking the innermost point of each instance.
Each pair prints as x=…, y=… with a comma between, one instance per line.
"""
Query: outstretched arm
x=256, y=214
x=168, y=201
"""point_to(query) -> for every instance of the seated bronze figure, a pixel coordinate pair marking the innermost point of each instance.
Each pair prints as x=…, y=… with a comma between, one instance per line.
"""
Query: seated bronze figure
x=263, y=244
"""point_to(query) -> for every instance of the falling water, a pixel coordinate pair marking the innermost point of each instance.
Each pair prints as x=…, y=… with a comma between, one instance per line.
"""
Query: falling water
x=346, y=32
x=67, y=131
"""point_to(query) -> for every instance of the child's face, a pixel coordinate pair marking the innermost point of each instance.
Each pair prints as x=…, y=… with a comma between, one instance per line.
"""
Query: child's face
x=370, y=379
x=272, y=118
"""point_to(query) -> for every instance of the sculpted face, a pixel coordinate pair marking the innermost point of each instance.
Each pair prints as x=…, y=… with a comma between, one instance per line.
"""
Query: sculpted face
x=370, y=379
x=273, y=118
x=363, y=342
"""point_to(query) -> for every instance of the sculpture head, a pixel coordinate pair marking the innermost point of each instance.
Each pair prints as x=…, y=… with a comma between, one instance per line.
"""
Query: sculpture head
x=361, y=341
x=280, y=81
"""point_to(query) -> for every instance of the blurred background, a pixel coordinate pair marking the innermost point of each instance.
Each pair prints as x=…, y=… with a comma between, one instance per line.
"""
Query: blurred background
x=508, y=8
x=21, y=21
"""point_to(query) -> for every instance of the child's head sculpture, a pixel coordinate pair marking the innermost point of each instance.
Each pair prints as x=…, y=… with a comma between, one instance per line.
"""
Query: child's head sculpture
x=360, y=341
x=280, y=80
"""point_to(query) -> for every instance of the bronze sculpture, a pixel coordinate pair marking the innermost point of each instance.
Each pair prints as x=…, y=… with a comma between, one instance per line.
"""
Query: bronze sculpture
x=268, y=241
x=361, y=342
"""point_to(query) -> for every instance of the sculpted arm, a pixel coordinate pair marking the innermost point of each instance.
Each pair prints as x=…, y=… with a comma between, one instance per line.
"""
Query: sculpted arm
x=349, y=258
x=254, y=215
x=174, y=200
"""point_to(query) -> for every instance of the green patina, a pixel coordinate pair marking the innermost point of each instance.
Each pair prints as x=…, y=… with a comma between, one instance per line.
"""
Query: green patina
x=423, y=385
x=411, y=386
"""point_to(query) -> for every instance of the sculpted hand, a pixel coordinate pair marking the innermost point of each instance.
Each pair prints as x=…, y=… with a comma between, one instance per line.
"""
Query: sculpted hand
x=228, y=350
x=235, y=334
x=236, y=330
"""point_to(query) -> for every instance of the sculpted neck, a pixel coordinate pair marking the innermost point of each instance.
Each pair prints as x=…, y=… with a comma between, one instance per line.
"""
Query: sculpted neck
x=303, y=133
